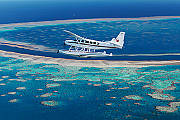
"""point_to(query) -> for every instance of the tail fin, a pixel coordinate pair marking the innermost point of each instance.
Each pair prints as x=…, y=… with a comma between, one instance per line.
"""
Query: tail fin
x=119, y=40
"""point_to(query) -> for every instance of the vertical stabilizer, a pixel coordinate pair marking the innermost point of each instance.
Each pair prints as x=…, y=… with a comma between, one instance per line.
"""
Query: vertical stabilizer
x=119, y=40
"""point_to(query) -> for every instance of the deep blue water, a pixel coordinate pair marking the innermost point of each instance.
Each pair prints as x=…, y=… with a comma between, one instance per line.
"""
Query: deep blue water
x=149, y=37
x=27, y=11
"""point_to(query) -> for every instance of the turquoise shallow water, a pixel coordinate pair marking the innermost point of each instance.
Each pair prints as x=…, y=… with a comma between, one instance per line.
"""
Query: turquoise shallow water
x=50, y=91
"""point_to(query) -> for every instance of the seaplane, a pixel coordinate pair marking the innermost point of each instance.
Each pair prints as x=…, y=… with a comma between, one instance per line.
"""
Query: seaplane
x=84, y=47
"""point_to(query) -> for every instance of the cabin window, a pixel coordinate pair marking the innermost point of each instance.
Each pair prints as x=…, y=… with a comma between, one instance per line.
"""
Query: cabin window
x=82, y=41
x=78, y=40
x=87, y=42
x=91, y=42
x=94, y=43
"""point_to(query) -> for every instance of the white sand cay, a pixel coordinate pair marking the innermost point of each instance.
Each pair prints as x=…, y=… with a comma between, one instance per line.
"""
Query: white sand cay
x=56, y=22
x=86, y=63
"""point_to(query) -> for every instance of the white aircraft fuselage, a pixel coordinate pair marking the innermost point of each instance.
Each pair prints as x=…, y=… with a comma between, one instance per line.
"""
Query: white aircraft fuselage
x=91, y=44
x=94, y=44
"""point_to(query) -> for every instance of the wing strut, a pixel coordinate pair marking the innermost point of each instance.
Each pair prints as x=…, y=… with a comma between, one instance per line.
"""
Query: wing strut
x=73, y=34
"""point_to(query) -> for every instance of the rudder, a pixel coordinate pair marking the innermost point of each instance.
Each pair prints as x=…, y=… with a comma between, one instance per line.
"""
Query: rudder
x=119, y=40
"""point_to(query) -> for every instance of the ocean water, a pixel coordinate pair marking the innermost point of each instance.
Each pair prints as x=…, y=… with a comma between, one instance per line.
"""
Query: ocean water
x=46, y=91
x=156, y=39
x=32, y=11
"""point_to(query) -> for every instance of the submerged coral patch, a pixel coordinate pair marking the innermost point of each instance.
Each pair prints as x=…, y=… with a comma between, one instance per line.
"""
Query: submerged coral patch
x=13, y=101
x=53, y=85
x=21, y=88
x=46, y=95
x=2, y=83
x=49, y=103
x=11, y=93
x=162, y=96
x=91, y=69
x=173, y=106
x=166, y=108
x=108, y=82
x=134, y=97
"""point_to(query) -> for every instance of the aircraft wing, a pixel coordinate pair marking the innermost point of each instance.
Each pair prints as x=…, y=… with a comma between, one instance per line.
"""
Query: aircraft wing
x=73, y=34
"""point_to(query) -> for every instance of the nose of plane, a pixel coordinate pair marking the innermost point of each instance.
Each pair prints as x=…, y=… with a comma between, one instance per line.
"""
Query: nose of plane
x=67, y=41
